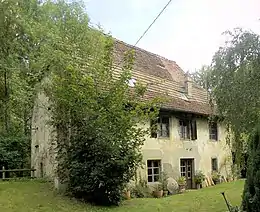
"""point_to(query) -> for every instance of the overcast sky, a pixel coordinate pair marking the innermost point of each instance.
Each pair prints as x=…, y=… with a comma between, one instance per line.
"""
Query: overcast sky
x=188, y=32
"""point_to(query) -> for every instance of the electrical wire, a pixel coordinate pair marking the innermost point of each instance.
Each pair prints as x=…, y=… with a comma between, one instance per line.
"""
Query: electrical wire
x=153, y=22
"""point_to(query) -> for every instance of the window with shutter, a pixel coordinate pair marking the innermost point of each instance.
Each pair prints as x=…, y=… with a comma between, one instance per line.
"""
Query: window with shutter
x=213, y=131
x=193, y=130
x=188, y=129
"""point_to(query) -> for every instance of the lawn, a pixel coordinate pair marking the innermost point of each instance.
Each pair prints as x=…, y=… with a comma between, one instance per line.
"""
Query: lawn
x=34, y=196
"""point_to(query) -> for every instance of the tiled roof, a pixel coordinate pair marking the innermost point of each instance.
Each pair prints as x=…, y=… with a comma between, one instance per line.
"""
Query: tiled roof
x=179, y=104
x=171, y=80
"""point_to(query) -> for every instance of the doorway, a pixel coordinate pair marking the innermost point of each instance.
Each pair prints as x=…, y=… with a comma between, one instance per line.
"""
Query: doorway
x=187, y=170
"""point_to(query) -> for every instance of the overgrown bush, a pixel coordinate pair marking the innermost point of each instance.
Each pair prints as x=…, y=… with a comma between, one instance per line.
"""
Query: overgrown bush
x=14, y=152
x=99, y=119
x=141, y=189
x=164, y=180
x=199, y=177
x=251, y=194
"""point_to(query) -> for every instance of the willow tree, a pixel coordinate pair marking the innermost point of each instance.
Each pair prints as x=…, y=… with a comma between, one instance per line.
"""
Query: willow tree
x=235, y=79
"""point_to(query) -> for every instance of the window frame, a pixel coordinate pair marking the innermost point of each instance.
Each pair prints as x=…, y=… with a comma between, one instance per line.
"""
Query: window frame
x=213, y=166
x=191, y=128
x=158, y=131
x=213, y=133
x=153, y=167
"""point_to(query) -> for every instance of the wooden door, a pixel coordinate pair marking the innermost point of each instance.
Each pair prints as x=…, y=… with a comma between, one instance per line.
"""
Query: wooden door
x=186, y=168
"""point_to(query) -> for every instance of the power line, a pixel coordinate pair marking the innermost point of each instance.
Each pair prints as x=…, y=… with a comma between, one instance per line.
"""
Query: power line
x=152, y=22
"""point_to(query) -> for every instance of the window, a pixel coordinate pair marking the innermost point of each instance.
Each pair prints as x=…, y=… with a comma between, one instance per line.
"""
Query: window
x=153, y=170
x=188, y=129
x=213, y=131
x=161, y=128
x=184, y=97
x=214, y=164
x=131, y=82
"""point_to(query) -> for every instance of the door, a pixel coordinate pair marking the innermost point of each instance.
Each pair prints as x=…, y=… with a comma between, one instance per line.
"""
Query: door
x=186, y=168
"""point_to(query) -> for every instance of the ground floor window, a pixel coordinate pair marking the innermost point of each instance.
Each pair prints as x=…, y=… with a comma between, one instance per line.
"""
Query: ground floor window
x=153, y=170
x=214, y=164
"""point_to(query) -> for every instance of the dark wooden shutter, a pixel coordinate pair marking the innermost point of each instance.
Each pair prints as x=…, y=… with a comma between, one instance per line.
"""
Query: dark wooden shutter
x=193, y=130
x=216, y=131
x=154, y=127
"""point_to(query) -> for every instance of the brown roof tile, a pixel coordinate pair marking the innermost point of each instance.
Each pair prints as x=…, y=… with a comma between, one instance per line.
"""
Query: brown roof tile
x=150, y=64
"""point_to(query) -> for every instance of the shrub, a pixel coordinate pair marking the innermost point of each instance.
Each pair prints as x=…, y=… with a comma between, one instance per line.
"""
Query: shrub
x=215, y=177
x=104, y=121
x=181, y=180
x=99, y=118
x=251, y=194
x=163, y=181
x=199, y=177
x=141, y=189
x=14, y=151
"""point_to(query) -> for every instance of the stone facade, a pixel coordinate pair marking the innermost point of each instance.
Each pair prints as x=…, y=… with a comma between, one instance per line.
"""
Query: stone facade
x=43, y=145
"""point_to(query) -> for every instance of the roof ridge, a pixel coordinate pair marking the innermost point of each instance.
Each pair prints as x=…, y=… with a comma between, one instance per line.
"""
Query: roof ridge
x=151, y=53
x=145, y=51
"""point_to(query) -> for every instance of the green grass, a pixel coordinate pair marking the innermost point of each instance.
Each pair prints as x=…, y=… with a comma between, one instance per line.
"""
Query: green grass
x=34, y=196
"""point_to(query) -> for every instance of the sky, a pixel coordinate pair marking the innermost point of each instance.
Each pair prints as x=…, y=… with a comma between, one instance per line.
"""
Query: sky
x=188, y=32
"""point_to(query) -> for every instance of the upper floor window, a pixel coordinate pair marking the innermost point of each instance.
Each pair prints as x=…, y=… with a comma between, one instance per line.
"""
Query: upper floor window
x=161, y=128
x=153, y=170
x=213, y=131
x=188, y=129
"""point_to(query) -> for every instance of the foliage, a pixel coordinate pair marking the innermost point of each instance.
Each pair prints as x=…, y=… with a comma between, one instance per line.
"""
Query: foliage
x=215, y=176
x=158, y=187
x=99, y=119
x=14, y=152
x=181, y=180
x=141, y=189
x=199, y=177
x=235, y=209
x=202, y=77
x=128, y=187
x=25, y=45
x=251, y=194
x=234, y=76
x=163, y=180
x=96, y=116
x=20, y=64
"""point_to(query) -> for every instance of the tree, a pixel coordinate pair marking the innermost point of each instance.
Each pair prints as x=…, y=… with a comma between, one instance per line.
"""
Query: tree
x=202, y=77
x=99, y=119
x=17, y=36
x=251, y=194
x=235, y=79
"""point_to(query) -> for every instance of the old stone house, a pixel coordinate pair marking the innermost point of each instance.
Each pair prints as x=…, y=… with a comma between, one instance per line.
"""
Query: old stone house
x=186, y=141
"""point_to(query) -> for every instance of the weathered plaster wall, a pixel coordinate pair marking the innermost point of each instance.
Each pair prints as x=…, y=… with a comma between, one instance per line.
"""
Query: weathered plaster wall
x=171, y=150
x=43, y=140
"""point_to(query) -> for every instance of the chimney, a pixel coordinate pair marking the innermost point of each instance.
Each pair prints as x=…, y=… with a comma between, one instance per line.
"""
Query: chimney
x=188, y=84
